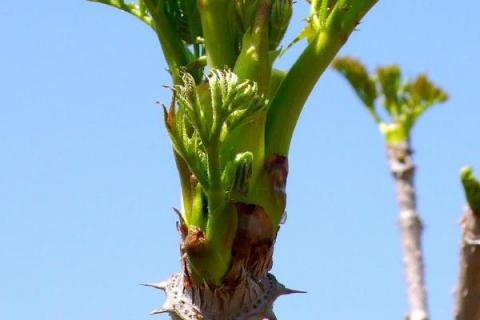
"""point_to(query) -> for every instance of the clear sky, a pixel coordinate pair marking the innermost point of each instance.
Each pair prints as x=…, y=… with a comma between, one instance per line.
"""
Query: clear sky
x=87, y=180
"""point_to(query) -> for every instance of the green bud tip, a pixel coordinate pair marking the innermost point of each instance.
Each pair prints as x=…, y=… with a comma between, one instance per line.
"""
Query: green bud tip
x=472, y=189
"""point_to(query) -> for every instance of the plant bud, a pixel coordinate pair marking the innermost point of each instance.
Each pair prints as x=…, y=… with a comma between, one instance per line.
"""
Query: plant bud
x=280, y=15
x=245, y=11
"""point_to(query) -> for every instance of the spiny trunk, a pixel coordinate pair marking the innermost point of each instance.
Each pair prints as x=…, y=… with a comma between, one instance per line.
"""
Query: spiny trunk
x=248, y=291
x=403, y=170
x=249, y=299
x=468, y=289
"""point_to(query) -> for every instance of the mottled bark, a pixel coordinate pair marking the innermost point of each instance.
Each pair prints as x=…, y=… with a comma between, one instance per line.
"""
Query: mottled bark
x=403, y=170
x=468, y=289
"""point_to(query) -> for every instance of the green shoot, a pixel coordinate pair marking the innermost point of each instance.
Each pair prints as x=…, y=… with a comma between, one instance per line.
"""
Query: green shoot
x=403, y=102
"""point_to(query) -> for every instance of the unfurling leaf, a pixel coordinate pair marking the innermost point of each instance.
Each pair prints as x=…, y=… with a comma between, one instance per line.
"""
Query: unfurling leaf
x=424, y=93
x=389, y=78
x=204, y=119
x=403, y=102
x=358, y=77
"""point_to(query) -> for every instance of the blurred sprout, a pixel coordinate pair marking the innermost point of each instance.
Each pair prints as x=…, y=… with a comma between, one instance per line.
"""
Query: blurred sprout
x=403, y=102
x=389, y=78
x=472, y=189
x=358, y=77
x=425, y=93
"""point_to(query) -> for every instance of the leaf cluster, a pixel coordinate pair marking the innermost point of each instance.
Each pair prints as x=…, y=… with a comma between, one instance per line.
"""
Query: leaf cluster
x=246, y=12
x=204, y=119
x=403, y=101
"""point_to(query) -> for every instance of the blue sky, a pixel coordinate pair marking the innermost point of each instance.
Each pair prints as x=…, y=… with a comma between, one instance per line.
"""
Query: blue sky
x=87, y=180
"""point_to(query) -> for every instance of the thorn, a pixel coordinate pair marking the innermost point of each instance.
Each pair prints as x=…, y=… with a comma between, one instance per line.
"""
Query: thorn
x=158, y=311
x=284, y=291
x=163, y=309
x=158, y=285
x=179, y=214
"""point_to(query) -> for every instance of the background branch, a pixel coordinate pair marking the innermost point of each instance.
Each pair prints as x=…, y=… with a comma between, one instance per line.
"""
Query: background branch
x=467, y=304
x=403, y=171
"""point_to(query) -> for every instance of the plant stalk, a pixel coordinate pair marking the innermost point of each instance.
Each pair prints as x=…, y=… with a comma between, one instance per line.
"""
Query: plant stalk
x=403, y=171
x=299, y=82
x=219, y=40
x=176, y=53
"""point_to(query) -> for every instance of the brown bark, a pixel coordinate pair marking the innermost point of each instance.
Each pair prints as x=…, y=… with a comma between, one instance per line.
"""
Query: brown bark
x=468, y=289
x=403, y=170
x=247, y=292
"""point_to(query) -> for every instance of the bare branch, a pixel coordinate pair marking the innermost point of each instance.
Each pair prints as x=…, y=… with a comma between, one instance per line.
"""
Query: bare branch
x=403, y=170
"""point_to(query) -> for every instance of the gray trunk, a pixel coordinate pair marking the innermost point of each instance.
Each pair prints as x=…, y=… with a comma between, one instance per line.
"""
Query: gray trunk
x=403, y=170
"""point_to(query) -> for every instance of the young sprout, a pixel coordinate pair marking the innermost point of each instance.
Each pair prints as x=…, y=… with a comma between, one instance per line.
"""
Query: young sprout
x=403, y=103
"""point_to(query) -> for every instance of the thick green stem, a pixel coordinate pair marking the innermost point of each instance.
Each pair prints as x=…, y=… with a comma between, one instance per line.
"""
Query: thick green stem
x=176, y=53
x=216, y=195
x=254, y=62
x=185, y=183
x=219, y=41
x=290, y=98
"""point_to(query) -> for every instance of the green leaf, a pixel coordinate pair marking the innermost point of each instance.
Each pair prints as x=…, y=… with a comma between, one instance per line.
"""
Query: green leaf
x=357, y=75
x=389, y=78
x=187, y=142
x=204, y=119
x=422, y=94
x=417, y=97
